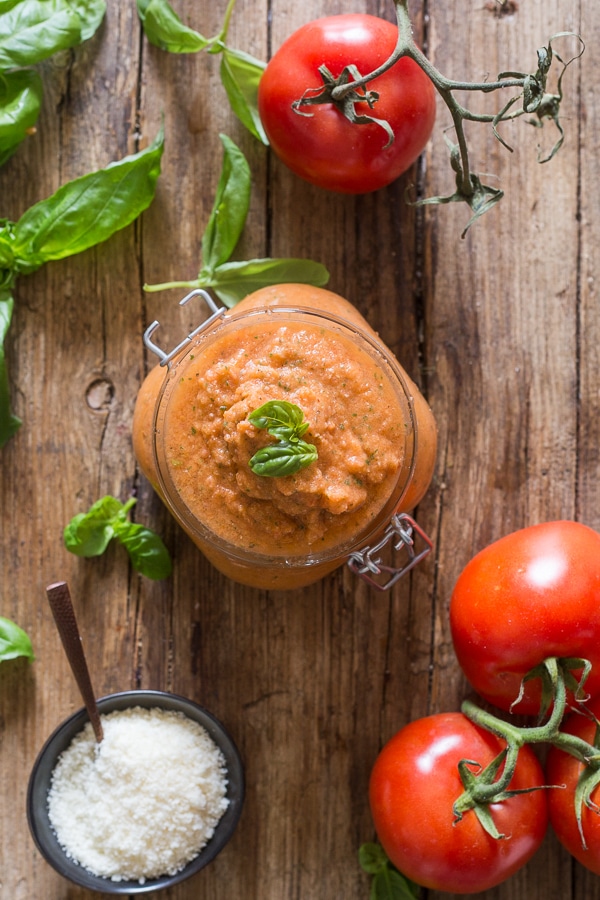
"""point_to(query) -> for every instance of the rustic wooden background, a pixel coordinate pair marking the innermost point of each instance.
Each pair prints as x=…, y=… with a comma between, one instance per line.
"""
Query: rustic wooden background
x=501, y=330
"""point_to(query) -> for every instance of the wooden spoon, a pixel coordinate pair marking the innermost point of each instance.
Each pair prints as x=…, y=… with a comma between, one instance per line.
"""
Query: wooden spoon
x=61, y=604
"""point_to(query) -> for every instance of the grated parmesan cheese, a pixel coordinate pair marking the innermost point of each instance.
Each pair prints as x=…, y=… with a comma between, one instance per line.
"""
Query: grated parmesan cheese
x=142, y=803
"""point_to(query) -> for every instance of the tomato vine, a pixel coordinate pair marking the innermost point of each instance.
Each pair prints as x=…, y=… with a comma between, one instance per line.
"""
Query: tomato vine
x=533, y=95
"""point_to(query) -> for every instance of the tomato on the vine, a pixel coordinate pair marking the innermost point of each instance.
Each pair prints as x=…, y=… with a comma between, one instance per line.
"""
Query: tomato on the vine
x=531, y=595
x=413, y=787
x=318, y=142
x=564, y=771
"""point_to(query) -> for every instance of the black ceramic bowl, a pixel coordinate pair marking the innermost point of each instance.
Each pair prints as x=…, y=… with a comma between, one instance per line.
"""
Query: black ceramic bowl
x=39, y=785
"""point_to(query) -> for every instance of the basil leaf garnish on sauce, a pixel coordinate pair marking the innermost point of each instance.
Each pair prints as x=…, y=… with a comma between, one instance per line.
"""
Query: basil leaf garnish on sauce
x=284, y=421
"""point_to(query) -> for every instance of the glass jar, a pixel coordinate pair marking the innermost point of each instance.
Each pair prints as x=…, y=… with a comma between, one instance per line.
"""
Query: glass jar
x=374, y=433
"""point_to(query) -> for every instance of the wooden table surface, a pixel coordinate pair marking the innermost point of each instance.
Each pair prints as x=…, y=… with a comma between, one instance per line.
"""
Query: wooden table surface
x=501, y=331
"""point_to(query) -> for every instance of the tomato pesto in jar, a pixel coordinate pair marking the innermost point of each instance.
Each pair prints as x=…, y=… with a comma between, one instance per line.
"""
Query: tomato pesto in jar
x=372, y=433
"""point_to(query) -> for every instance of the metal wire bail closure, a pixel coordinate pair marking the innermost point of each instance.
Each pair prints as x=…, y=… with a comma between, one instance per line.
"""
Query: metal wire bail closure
x=216, y=312
x=366, y=564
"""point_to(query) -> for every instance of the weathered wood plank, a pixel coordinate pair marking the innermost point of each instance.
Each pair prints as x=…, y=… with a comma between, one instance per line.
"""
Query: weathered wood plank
x=500, y=330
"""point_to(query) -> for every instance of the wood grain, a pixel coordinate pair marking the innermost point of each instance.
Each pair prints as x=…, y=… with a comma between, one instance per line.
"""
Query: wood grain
x=501, y=330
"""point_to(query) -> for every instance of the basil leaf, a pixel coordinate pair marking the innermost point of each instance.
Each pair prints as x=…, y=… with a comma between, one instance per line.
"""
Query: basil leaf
x=240, y=74
x=230, y=208
x=9, y=423
x=372, y=858
x=35, y=29
x=233, y=281
x=13, y=641
x=20, y=102
x=89, y=534
x=280, y=418
x=6, y=254
x=389, y=884
x=91, y=13
x=88, y=210
x=163, y=28
x=148, y=554
x=5, y=5
x=283, y=458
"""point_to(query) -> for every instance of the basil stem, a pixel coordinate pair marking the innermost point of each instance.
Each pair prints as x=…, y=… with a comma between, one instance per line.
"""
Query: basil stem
x=14, y=641
x=89, y=534
x=232, y=281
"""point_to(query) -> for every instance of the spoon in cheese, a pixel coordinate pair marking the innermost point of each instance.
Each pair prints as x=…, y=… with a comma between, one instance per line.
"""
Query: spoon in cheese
x=61, y=605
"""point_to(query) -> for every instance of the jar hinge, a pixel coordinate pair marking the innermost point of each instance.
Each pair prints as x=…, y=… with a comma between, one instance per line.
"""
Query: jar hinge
x=365, y=563
x=216, y=312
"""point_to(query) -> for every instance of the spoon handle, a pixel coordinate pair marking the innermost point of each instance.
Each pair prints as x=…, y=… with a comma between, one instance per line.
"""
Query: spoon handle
x=61, y=605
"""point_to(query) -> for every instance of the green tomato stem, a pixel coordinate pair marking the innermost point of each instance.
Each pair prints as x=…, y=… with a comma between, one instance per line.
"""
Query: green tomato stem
x=485, y=791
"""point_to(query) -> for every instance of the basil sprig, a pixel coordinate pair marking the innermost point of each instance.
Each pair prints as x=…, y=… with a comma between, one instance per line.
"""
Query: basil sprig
x=232, y=281
x=81, y=214
x=284, y=421
x=14, y=641
x=240, y=72
x=30, y=32
x=89, y=534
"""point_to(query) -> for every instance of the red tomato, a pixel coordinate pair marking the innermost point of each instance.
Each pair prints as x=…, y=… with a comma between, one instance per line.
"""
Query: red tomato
x=564, y=769
x=413, y=786
x=323, y=146
x=531, y=595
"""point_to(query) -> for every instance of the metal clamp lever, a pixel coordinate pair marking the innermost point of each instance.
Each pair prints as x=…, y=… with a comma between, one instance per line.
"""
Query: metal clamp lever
x=216, y=312
x=363, y=562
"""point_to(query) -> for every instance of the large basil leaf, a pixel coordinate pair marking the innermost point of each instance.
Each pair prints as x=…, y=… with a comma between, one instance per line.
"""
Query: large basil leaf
x=20, y=102
x=88, y=210
x=230, y=207
x=240, y=75
x=163, y=28
x=235, y=280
